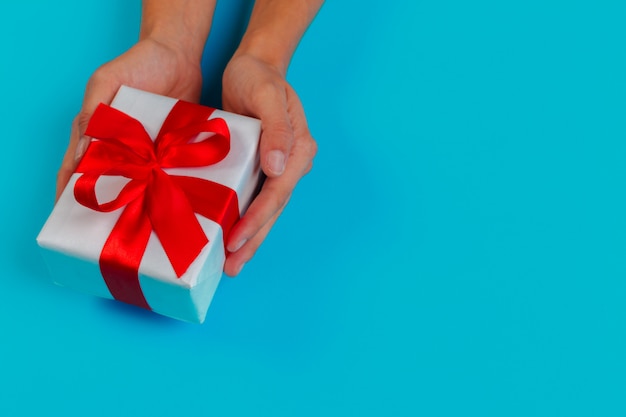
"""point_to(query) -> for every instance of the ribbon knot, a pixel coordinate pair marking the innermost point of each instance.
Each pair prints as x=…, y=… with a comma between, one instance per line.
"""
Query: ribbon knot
x=152, y=200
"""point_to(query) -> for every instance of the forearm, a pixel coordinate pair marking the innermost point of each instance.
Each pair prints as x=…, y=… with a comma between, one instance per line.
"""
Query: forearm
x=182, y=25
x=275, y=29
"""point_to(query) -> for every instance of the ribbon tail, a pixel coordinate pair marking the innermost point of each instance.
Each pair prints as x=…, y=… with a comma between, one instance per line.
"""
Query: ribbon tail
x=212, y=200
x=174, y=222
x=122, y=253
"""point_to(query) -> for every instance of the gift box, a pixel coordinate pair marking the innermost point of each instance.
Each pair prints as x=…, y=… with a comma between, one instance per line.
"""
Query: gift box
x=143, y=219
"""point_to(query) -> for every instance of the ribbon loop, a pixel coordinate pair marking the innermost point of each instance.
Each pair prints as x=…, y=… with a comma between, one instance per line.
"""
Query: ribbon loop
x=152, y=200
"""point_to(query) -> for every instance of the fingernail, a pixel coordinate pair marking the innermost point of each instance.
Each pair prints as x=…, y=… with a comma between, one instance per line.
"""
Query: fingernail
x=240, y=268
x=235, y=248
x=276, y=162
x=81, y=147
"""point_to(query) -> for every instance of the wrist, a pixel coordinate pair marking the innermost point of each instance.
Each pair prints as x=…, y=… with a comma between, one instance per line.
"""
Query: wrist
x=179, y=25
x=178, y=49
x=275, y=28
x=268, y=50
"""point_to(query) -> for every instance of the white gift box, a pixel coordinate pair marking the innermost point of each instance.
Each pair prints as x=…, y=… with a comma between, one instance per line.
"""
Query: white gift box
x=74, y=235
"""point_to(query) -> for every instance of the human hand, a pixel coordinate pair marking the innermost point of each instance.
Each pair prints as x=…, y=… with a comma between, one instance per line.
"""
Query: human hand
x=255, y=88
x=150, y=65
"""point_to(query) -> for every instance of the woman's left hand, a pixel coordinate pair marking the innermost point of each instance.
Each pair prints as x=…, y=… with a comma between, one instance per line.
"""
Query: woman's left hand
x=255, y=88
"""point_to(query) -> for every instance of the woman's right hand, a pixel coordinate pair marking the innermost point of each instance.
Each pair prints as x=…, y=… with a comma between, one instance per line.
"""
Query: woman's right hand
x=150, y=65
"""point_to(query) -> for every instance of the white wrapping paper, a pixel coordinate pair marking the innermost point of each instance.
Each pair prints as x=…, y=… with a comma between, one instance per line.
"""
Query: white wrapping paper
x=74, y=235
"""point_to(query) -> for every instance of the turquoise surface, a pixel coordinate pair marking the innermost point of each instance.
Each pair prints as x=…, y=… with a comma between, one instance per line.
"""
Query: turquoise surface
x=457, y=250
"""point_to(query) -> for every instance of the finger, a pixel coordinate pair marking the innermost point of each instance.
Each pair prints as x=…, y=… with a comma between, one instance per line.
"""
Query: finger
x=306, y=145
x=296, y=114
x=236, y=261
x=68, y=165
x=276, y=131
x=100, y=89
x=273, y=196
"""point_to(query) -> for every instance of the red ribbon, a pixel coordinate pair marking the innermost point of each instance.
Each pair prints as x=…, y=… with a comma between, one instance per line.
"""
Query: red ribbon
x=154, y=200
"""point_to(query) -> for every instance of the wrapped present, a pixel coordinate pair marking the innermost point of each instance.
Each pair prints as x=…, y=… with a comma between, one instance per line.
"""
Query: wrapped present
x=144, y=218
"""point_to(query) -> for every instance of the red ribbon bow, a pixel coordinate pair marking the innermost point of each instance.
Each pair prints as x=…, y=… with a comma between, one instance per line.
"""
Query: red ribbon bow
x=154, y=200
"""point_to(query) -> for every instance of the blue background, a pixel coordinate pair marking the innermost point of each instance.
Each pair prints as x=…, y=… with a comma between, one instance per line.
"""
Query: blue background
x=458, y=248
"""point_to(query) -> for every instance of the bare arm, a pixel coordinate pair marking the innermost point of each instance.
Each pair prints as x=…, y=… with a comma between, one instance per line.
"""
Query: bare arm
x=254, y=84
x=165, y=60
x=275, y=29
x=182, y=25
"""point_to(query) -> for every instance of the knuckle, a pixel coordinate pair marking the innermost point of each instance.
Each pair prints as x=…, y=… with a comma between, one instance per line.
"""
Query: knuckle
x=279, y=132
x=308, y=168
x=308, y=147
x=310, y=150
x=82, y=120
x=279, y=127
x=311, y=147
x=277, y=198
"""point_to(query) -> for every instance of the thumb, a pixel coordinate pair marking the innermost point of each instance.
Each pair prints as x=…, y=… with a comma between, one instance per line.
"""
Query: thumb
x=98, y=91
x=276, y=133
